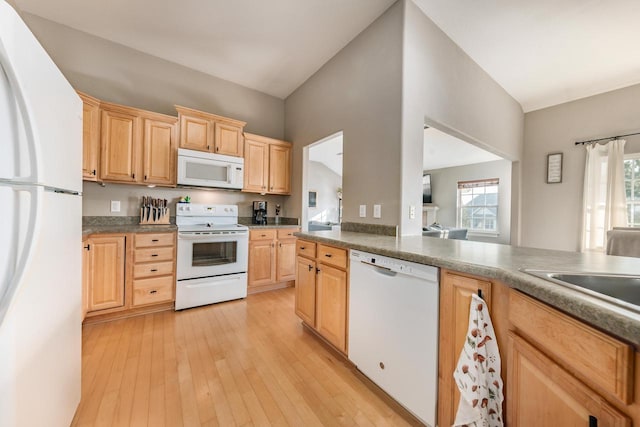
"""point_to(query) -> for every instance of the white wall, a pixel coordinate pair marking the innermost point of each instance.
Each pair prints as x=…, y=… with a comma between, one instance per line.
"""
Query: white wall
x=551, y=213
x=325, y=182
x=357, y=91
x=445, y=88
x=444, y=188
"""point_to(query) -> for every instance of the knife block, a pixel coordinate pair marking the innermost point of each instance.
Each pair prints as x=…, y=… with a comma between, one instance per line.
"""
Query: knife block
x=161, y=216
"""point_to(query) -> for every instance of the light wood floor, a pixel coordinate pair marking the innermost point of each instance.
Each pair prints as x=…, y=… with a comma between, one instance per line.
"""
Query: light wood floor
x=245, y=362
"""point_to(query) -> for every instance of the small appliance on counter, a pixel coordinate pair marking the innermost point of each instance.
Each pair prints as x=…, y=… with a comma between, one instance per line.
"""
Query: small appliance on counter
x=260, y=212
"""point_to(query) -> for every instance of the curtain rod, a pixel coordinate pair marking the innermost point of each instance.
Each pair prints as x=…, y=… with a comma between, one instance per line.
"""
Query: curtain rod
x=589, y=141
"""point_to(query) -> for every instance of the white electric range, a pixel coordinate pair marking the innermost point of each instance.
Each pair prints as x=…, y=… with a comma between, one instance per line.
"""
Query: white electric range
x=213, y=253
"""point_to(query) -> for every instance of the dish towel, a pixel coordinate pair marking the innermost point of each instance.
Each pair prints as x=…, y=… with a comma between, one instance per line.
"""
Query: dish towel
x=477, y=374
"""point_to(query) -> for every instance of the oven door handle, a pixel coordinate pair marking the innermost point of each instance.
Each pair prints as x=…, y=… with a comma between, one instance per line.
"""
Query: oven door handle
x=205, y=237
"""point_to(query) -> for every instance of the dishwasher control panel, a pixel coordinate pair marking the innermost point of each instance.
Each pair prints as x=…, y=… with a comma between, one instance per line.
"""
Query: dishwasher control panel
x=422, y=271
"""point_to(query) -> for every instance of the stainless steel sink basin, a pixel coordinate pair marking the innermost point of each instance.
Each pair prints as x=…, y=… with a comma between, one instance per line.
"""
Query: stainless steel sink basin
x=619, y=289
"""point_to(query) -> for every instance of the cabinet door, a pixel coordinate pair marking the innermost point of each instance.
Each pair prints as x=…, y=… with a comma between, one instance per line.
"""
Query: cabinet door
x=159, y=152
x=90, y=138
x=228, y=139
x=279, y=169
x=331, y=306
x=196, y=133
x=256, y=166
x=455, y=296
x=306, y=290
x=540, y=393
x=262, y=262
x=106, y=272
x=119, y=140
x=286, y=260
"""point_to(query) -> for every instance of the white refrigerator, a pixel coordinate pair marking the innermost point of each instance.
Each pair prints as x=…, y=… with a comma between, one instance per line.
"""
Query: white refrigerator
x=40, y=233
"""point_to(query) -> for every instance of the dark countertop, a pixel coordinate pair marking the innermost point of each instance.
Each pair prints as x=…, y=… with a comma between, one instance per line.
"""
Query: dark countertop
x=503, y=263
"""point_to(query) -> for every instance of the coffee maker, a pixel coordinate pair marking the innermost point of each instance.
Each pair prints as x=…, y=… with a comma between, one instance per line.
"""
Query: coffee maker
x=260, y=212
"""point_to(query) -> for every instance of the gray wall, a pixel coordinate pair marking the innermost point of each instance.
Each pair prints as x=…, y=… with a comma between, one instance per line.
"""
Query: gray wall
x=96, y=200
x=358, y=91
x=445, y=88
x=551, y=213
x=115, y=73
x=444, y=187
x=325, y=182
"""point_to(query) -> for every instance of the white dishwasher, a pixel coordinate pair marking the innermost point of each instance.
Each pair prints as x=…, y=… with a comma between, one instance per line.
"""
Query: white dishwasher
x=393, y=329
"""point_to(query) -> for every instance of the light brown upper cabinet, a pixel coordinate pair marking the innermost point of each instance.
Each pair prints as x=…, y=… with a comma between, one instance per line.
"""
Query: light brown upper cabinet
x=203, y=131
x=138, y=146
x=159, y=150
x=90, y=136
x=120, y=142
x=267, y=165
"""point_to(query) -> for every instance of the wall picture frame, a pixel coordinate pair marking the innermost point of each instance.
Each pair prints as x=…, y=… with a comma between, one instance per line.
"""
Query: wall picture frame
x=313, y=197
x=554, y=168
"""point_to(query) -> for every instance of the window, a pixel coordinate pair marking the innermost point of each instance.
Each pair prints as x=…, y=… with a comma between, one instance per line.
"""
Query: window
x=632, y=188
x=478, y=205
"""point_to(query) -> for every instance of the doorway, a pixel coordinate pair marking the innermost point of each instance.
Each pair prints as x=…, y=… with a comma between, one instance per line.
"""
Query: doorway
x=322, y=184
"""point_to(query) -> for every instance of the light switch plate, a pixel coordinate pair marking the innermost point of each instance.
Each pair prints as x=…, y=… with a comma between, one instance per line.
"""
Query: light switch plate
x=412, y=212
x=363, y=211
x=115, y=206
x=377, y=211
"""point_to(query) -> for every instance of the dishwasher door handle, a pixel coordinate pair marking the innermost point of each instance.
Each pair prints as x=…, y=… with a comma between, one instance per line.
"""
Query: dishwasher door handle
x=381, y=270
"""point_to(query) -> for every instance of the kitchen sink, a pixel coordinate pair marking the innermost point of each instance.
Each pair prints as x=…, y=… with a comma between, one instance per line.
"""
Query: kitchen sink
x=619, y=289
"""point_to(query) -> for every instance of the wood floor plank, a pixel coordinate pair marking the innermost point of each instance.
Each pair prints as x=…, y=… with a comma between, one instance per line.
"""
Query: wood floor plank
x=241, y=363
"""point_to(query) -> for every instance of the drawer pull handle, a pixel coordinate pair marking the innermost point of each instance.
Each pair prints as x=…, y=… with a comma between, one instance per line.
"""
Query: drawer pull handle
x=153, y=291
x=302, y=248
x=153, y=270
x=155, y=240
x=328, y=255
x=263, y=235
x=154, y=254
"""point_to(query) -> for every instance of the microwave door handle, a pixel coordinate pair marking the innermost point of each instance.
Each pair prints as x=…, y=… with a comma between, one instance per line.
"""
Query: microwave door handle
x=229, y=174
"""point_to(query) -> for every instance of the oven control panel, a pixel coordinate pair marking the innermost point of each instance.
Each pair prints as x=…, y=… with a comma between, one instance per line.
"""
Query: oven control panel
x=196, y=209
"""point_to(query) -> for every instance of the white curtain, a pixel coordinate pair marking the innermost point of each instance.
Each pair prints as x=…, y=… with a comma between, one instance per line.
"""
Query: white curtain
x=604, y=200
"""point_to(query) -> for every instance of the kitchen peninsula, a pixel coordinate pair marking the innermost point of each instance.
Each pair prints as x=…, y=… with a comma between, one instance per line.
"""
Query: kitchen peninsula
x=560, y=348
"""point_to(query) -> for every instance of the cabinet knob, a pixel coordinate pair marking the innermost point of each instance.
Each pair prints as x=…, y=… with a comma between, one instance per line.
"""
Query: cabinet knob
x=302, y=248
x=208, y=147
x=88, y=247
x=310, y=267
x=145, y=177
x=272, y=188
x=133, y=175
x=93, y=172
x=381, y=365
x=317, y=270
x=280, y=244
x=217, y=148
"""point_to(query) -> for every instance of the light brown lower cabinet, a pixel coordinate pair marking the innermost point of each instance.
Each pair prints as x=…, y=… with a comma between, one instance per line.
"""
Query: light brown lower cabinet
x=272, y=261
x=128, y=273
x=322, y=290
x=541, y=393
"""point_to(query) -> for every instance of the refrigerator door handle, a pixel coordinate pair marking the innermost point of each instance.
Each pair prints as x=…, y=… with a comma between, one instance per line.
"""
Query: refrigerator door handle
x=33, y=226
x=25, y=110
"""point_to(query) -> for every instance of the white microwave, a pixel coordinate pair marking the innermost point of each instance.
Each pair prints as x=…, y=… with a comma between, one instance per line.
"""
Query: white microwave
x=197, y=168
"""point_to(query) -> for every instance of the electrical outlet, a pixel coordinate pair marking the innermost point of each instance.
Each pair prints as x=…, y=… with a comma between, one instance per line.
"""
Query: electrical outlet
x=115, y=206
x=363, y=211
x=412, y=212
x=377, y=211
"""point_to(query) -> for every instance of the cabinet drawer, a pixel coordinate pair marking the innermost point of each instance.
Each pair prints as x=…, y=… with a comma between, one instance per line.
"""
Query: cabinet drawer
x=287, y=233
x=151, y=291
x=269, y=234
x=332, y=256
x=146, y=240
x=596, y=358
x=306, y=248
x=153, y=254
x=153, y=269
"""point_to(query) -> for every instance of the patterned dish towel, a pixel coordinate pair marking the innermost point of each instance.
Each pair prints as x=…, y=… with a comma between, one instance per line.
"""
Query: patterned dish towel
x=478, y=372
